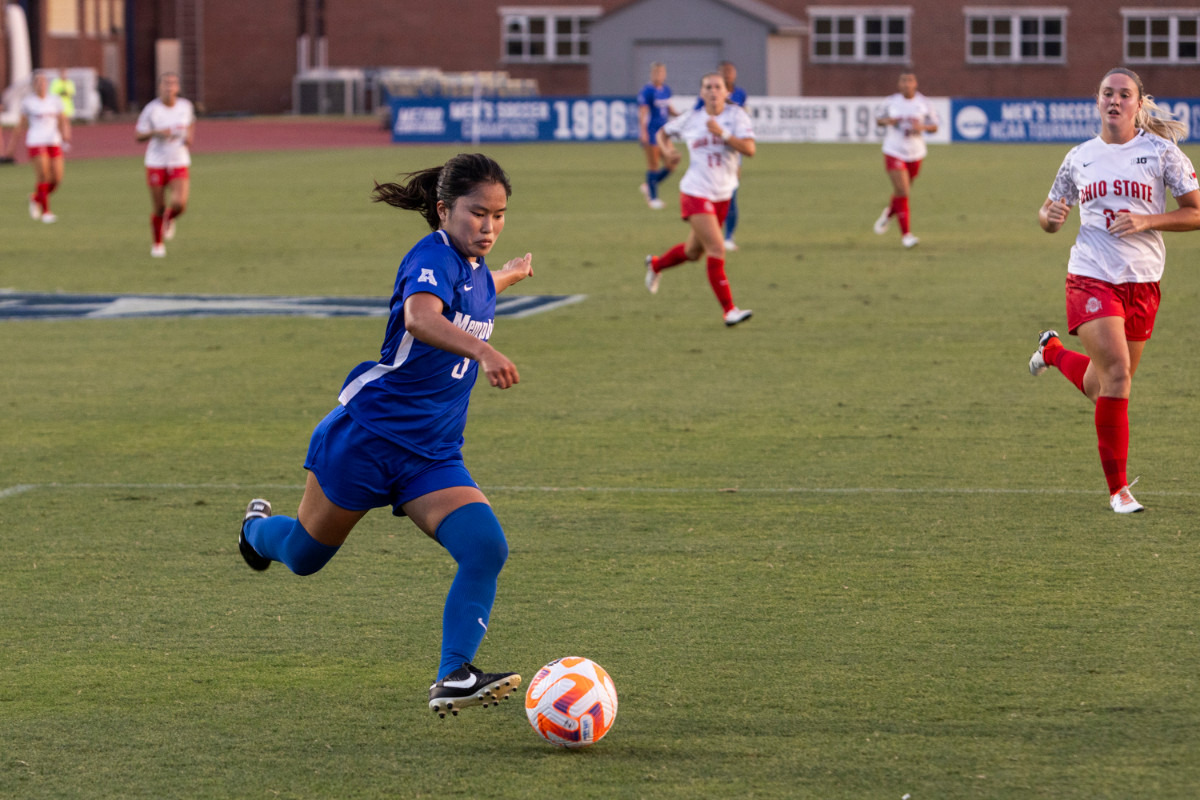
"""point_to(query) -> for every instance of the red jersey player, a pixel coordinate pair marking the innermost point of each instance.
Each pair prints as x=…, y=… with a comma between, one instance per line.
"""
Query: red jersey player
x=168, y=123
x=715, y=135
x=908, y=116
x=46, y=130
x=1119, y=180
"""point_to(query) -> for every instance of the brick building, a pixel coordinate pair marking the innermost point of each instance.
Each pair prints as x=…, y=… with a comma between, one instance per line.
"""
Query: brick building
x=240, y=55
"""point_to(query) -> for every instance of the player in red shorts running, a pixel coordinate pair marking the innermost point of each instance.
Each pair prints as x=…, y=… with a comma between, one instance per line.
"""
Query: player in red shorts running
x=168, y=123
x=46, y=129
x=715, y=135
x=908, y=116
x=1120, y=180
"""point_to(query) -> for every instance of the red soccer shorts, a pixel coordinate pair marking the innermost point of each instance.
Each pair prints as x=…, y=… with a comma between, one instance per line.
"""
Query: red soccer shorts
x=1136, y=303
x=689, y=205
x=52, y=150
x=911, y=167
x=161, y=176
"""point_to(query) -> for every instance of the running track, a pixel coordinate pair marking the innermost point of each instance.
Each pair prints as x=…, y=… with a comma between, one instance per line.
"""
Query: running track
x=232, y=135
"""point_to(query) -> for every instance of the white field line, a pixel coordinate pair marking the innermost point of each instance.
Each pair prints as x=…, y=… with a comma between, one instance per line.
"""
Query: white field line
x=12, y=491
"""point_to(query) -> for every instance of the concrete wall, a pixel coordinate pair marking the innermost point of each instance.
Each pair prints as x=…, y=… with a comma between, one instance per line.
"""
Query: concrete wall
x=689, y=36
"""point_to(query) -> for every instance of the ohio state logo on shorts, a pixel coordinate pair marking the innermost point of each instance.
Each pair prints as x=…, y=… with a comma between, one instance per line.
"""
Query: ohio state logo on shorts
x=1092, y=306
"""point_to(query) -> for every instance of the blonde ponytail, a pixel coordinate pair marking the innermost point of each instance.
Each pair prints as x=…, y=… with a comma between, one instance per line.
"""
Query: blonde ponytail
x=1157, y=120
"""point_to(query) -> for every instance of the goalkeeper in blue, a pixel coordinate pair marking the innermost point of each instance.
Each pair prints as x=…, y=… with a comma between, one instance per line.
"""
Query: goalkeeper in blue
x=395, y=438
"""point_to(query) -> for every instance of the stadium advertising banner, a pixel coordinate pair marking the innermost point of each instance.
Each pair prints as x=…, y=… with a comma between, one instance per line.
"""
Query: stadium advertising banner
x=1063, y=120
x=517, y=119
x=830, y=119
x=599, y=119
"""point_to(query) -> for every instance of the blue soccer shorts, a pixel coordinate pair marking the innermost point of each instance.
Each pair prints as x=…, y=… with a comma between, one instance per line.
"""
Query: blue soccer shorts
x=359, y=470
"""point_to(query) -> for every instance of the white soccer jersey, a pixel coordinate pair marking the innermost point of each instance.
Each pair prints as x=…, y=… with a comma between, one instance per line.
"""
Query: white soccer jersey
x=903, y=141
x=712, y=171
x=42, y=114
x=158, y=116
x=1106, y=179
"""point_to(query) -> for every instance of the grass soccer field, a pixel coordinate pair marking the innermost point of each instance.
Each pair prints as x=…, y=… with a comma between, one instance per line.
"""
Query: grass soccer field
x=848, y=549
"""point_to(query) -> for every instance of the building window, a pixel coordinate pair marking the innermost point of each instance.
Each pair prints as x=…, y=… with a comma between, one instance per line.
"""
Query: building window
x=1016, y=35
x=546, y=34
x=848, y=34
x=1169, y=36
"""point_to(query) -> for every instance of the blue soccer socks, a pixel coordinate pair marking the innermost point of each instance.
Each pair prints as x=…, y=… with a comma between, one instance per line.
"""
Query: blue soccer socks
x=285, y=540
x=473, y=536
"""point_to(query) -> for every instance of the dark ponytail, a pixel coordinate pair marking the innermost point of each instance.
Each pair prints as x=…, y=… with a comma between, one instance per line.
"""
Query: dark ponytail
x=421, y=191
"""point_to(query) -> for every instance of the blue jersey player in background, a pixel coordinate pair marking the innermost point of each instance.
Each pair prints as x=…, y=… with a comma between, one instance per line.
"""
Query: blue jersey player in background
x=395, y=437
x=737, y=97
x=654, y=110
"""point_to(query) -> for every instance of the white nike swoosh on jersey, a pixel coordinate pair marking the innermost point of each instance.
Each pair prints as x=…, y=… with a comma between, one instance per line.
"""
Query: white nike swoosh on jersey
x=481, y=622
x=468, y=287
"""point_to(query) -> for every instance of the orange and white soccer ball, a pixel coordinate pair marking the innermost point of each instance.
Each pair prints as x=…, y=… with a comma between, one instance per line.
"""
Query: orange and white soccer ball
x=571, y=702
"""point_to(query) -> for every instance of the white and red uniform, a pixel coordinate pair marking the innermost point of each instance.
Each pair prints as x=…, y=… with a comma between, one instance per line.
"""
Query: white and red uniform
x=903, y=141
x=712, y=171
x=171, y=152
x=42, y=114
x=1106, y=179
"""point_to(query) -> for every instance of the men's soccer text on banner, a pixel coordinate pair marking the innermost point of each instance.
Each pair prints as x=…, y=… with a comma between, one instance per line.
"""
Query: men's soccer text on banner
x=775, y=119
x=1062, y=120
x=597, y=119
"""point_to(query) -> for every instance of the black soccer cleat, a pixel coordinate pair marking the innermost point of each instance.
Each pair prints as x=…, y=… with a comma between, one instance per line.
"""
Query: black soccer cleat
x=467, y=686
x=256, y=509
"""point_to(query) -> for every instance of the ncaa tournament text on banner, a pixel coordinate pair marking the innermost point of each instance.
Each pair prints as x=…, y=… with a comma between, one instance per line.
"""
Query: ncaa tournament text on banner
x=1060, y=120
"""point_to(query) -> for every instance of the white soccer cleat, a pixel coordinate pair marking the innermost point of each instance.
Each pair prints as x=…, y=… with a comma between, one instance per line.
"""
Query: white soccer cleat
x=1122, y=501
x=158, y=251
x=49, y=218
x=1037, y=363
x=735, y=315
x=909, y=241
x=651, y=276
x=657, y=204
x=35, y=211
x=169, y=230
x=730, y=246
x=885, y=219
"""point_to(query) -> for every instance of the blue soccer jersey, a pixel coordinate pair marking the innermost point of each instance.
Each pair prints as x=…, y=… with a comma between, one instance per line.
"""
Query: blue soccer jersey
x=658, y=100
x=416, y=395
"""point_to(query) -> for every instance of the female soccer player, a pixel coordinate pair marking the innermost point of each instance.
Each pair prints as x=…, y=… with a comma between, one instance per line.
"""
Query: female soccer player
x=396, y=436
x=46, y=130
x=715, y=136
x=908, y=116
x=654, y=109
x=1119, y=179
x=737, y=96
x=168, y=123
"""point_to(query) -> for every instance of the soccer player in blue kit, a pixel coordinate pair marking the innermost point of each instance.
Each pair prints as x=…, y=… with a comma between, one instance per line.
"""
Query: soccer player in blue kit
x=395, y=437
x=654, y=110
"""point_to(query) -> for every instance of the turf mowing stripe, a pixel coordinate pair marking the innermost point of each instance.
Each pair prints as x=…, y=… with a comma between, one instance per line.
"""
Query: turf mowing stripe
x=28, y=487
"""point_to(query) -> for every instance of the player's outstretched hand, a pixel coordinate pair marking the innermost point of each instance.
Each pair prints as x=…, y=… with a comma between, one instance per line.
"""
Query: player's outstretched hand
x=520, y=268
x=500, y=372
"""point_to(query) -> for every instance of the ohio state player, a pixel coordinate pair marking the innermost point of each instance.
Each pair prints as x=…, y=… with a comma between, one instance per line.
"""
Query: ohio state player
x=1120, y=180
x=168, y=123
x=908, y=116
x=715, y=135
x=46, y=129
